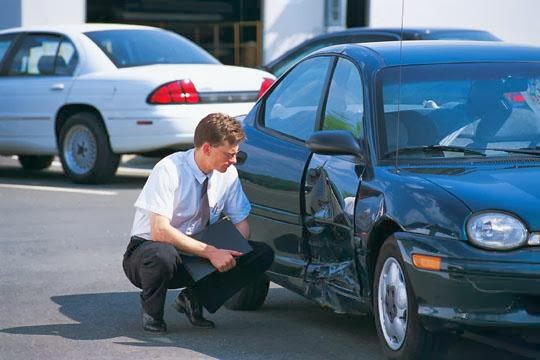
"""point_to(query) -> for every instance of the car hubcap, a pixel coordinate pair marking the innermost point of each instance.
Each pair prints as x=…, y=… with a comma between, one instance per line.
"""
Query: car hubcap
x=80, y=149
x=392, y=303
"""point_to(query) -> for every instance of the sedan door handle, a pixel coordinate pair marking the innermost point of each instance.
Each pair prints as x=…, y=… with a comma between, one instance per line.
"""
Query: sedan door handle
x=57, y=87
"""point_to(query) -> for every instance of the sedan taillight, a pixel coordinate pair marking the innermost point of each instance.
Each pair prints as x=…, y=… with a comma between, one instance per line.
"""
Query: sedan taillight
x=265, y=86
x=174, y=92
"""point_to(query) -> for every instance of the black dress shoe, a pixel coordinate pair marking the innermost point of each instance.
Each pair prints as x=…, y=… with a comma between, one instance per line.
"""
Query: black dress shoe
x=186, y=303
x=152, y=324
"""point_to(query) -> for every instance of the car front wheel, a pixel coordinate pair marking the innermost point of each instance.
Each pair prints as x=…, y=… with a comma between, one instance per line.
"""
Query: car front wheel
x=396, y=310
x=35, y=162
x=250, y=297
x=85, y=150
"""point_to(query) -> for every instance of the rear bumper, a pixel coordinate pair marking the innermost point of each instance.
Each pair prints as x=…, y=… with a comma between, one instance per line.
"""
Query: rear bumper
x=162, y=126
x=475, y=287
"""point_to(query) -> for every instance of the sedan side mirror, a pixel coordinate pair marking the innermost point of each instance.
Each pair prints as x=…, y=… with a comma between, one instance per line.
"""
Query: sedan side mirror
x=334, y=142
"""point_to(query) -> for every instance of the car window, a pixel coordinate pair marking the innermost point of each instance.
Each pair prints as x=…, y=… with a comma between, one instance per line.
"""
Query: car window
x=5, y=43
x=292, y=106
x=35, y=56
x=66, y=59
x=345, y=102
x=128, y=48
x=481, y=107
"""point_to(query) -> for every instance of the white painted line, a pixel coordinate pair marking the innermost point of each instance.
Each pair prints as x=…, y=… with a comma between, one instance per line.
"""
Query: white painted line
x=129, y=171
x=121, y=169
x=58, y=189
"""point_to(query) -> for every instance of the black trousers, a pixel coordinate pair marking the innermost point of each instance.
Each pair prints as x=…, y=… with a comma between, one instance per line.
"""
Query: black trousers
x=155, y=267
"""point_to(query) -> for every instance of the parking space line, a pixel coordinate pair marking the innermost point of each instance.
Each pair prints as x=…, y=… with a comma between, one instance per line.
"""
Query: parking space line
x=121, y=169
x=58, y=189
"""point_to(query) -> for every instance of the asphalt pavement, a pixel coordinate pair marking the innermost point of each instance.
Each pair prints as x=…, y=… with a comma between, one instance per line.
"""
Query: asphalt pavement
x=63, y=294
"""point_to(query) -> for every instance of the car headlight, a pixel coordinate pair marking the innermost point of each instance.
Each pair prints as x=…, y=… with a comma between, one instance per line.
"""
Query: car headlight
x=499, y=231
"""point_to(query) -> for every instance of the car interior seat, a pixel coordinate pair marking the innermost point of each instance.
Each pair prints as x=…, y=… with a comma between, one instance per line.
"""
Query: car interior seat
x=46, y=65
x=486, y=103
x=415, y=129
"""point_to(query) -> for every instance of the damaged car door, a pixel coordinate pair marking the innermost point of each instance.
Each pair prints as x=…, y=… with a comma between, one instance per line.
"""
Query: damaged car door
x=330, y=189
x=275, y=158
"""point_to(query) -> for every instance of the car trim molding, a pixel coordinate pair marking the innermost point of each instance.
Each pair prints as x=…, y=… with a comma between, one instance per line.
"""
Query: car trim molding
x=228, y=96
x=276, y=214
x=7, y=118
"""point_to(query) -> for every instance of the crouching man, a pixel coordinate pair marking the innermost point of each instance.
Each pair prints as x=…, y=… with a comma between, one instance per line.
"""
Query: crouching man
x=184, y=193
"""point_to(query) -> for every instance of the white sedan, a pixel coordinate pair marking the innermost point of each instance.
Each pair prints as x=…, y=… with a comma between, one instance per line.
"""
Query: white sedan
x=92, y=92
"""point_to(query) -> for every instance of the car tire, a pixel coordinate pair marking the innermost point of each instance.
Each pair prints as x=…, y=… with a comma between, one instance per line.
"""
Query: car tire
x=35, y=162
x=250, y=297
x=85, y=150
x=395, y=300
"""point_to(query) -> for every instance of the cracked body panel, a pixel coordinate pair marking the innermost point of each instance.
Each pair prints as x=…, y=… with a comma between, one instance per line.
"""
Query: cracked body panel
x=329, y=199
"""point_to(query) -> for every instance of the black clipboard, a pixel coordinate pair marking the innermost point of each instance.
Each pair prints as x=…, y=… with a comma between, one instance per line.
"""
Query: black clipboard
x=223, y=235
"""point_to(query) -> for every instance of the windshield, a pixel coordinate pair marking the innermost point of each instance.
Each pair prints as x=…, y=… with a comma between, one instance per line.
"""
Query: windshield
x=484, y=108
x=128, y=48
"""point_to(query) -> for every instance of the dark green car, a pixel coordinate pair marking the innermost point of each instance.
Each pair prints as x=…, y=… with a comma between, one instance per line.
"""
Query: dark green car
x=406, y=184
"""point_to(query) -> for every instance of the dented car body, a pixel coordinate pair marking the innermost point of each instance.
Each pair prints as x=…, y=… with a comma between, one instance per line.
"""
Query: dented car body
x=403, y=184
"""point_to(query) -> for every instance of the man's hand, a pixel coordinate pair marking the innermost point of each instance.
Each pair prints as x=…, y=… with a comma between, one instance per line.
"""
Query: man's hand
x=223, y=260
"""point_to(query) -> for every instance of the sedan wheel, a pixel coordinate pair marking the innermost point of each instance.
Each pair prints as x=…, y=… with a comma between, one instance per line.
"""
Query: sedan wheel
x=392, y=301
x=85, y=150
x=35, y=162
x=80, y=149
x=250, y=297
x=396, y=311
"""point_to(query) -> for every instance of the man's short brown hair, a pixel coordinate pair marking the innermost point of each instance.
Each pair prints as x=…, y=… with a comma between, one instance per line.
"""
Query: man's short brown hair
x=217, y=128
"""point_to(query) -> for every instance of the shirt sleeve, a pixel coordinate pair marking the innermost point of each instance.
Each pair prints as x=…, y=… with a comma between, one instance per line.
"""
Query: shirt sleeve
x=157, y=195
x=237, y=206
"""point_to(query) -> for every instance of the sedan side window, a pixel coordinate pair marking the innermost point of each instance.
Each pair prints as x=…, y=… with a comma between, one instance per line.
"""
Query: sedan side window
x=67, y=58
x=292, y=106
x=37, y=55
x=345, y=104
x=5, y=43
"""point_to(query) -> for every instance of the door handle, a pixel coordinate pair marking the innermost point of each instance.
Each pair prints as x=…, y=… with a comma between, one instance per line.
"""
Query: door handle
x=57, y=87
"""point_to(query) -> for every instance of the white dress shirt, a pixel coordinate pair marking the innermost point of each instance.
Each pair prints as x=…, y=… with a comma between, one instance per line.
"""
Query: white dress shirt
x=173, y=190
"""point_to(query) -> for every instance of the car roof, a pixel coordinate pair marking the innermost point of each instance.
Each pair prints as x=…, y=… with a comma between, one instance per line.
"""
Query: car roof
x=408, y=32
x=393, y=53
x=76, y=28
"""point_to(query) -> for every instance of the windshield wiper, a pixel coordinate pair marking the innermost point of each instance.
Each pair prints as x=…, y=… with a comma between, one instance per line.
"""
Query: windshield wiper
x=430, y=149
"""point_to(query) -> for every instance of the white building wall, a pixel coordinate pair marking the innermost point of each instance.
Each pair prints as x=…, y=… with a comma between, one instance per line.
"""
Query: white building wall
x=10, y=15
x=287, y=23
x=51, y=12
x=510, y=20
x=41, y=12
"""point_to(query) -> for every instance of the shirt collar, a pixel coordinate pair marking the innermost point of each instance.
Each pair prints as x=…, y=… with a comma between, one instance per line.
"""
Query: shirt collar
x=199, y=175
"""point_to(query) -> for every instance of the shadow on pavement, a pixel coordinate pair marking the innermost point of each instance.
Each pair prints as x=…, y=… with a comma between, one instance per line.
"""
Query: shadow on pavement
x=237, y=334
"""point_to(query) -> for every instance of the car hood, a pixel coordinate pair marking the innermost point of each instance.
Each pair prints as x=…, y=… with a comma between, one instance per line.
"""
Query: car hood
x=205, y=77
x=507, y=188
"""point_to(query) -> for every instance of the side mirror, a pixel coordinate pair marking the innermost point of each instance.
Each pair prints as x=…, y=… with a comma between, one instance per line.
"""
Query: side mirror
x=334, y=142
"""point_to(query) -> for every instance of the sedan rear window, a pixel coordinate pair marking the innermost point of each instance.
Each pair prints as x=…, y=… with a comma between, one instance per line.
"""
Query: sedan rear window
x=127, y=48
